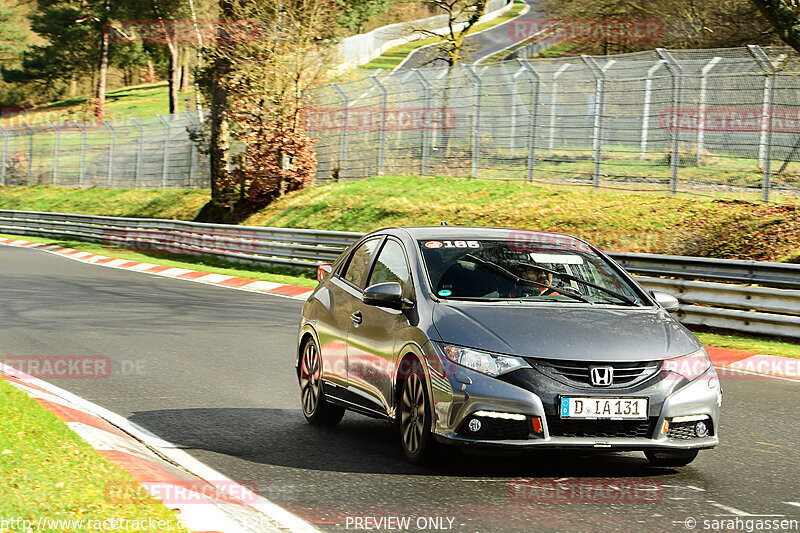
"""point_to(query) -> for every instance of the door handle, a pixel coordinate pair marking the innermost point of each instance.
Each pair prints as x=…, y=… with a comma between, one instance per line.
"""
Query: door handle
x=356, y=318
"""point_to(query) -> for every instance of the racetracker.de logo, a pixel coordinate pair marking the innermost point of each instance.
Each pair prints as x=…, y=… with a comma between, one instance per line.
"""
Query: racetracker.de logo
x=586, y=491
x=588, y=30
x=60, y=366
x=378, y=118
x=777, y=119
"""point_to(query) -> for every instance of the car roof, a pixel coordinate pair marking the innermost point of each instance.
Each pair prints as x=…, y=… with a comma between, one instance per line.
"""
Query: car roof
x=477, y=232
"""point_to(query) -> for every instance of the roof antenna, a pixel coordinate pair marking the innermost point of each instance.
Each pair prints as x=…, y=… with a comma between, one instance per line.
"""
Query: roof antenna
x=443, y=223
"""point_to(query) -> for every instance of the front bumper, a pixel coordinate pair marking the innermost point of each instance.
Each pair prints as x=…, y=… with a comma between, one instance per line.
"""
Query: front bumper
x=530, y=393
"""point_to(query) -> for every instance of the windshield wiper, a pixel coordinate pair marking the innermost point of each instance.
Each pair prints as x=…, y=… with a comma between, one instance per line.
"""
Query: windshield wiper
x=516, y=279
x=615, y=294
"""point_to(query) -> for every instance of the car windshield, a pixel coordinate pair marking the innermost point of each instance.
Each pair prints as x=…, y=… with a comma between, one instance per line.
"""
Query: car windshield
x=538, y=267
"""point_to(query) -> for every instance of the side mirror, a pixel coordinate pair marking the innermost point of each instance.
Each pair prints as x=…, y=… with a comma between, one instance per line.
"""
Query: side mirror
x=666, y=300
x=323, y=270
x=388, y=294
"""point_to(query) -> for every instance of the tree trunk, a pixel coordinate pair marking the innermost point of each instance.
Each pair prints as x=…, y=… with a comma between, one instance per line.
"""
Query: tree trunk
x=173, y=76
x=783, y=19
x=220, y=137
x=184, y=76
x=103, y=67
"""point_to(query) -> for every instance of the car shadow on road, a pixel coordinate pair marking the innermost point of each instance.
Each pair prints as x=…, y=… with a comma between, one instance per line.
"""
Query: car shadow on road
x=281, y=437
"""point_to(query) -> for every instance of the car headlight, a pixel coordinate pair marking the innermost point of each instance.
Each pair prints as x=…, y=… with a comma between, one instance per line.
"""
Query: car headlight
x=488, y=363
x=689, y=366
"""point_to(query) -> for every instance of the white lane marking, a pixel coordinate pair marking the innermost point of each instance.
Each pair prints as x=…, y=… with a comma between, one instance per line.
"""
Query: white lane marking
x=738, y=512
x=171, y=451
x=695, y=488
x=792, y=503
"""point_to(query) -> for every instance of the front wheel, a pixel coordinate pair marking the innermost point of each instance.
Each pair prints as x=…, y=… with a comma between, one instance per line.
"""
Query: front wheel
x=670, y=458
x=415, y=418
x=316, y=409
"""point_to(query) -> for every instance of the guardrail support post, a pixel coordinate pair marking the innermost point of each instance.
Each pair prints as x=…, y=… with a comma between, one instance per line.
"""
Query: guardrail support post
x=425, y=128
x=535, y=79
x=677, y=81
x=553, y=97
x=476, y=121
x=701, y=119
x=345, y=125
x=56, y=149
x=139, y=146
x=597, y=129
x=5, y=156
x=648, y=92
x=110, y=153
x=382, y=141
x=165, y=154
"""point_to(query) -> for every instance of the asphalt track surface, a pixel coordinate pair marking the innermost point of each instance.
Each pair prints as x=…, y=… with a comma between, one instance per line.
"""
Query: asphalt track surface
x=476, y=46
x=216, y=377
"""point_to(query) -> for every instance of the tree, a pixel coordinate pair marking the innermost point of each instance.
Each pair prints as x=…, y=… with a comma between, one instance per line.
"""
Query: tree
x=464, y=13
x=357, y=12
x=255, y=81
x=783, y=18
x=12, y=46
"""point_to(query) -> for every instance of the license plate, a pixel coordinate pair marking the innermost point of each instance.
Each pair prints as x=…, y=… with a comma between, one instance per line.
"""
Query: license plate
x=604, y=408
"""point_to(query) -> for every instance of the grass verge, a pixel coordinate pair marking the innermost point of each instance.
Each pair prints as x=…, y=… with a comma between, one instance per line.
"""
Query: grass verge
x=180, y=204
x=49, y=472
x=394, y=56
x=764, y=345
x=205, y=263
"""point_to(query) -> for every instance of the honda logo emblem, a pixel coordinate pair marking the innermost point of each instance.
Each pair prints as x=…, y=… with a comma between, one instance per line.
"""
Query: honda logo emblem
x=602, y=376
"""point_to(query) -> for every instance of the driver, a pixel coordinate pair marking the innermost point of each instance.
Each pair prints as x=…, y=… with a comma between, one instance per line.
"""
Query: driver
x=539, y=276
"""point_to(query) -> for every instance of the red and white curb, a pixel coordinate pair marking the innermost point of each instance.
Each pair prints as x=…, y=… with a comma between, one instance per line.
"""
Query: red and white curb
x=206, y=500
x=248, y=284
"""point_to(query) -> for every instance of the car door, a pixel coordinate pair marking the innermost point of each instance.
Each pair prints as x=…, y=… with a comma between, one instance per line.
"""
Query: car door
x=333, y=323
x=371, y=341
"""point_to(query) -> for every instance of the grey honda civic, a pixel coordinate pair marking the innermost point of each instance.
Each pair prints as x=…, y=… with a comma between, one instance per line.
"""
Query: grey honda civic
x=501, y=337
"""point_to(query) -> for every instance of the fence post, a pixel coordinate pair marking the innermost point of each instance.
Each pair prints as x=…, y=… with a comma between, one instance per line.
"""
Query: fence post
x=56, y=150
x=30, y=153
x=765, y=140
x=343, y=138
x=165, y=153
x=553, y=94
x=536, y=82
x=648, y=91
x=138, y=176
x=701, y=119
x=382, y=139
x=677, y=80
x=193, y=151
x=5, y=156
x=110, y=153
x=597, y=129
x=83, y=153
x=476, y=122
x=425, y=129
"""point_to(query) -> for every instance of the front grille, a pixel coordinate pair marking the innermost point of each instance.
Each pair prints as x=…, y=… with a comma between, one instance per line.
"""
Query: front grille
x=611, y=429
x=685, y=430
x=497, y=429
x=578, y=372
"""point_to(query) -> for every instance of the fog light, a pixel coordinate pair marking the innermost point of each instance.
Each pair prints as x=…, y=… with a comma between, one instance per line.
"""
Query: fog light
x=537, y=424
x=701, y=429
x=474, y=425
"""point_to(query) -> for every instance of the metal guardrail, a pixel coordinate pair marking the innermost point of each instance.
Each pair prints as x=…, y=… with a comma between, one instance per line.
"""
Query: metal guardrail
x=747, y=296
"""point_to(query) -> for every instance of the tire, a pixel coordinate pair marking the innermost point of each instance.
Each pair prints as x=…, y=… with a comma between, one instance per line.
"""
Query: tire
x=670, y=458
x=414, y=418
x=316, y=409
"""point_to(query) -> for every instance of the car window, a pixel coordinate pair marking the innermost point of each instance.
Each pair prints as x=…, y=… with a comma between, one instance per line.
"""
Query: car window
x=357, y=269
x=391, y=265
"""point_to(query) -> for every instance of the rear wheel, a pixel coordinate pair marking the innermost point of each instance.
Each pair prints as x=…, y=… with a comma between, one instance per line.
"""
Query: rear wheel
x=670, y=458
x=414, y=418
x=316, y=409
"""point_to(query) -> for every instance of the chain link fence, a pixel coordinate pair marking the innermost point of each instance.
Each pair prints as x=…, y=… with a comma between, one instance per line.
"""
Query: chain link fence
x=705, y=121
x=154, y=152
